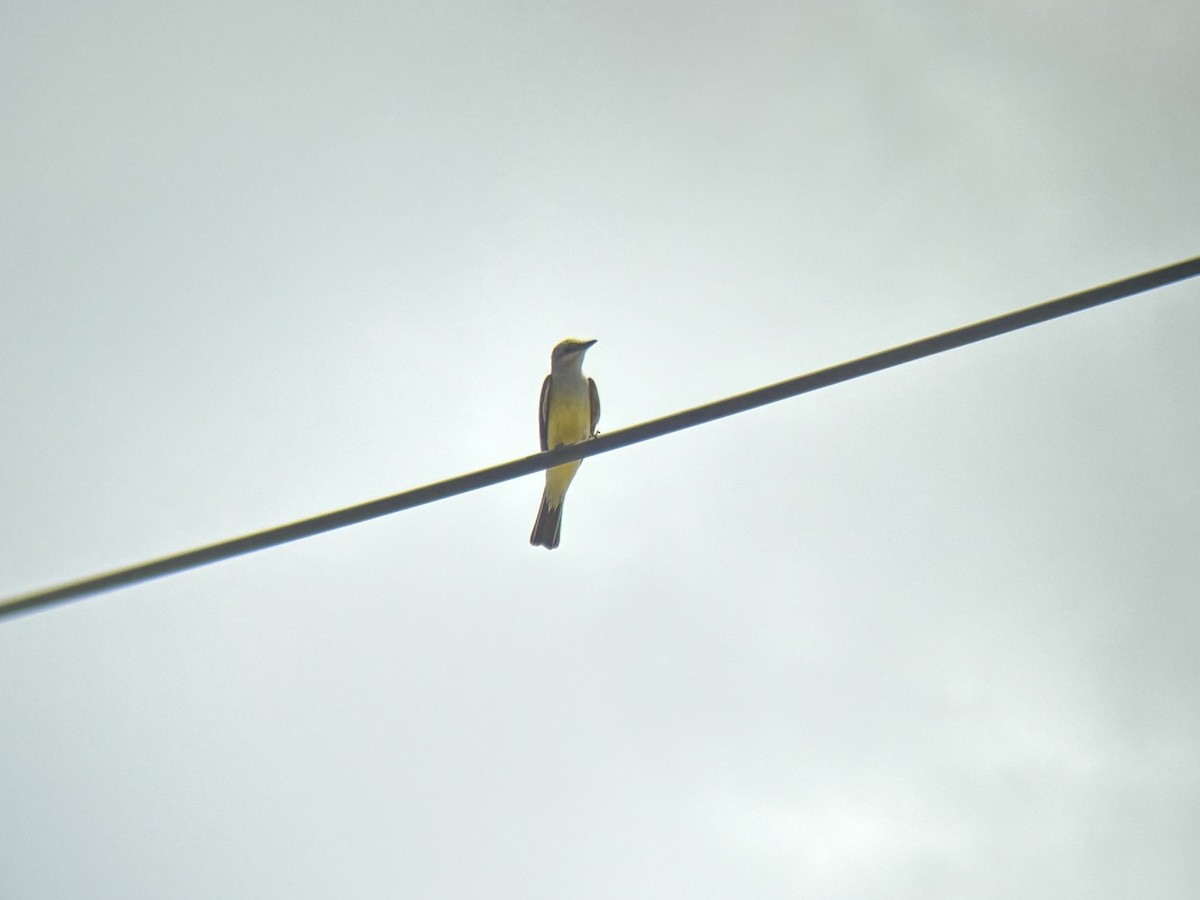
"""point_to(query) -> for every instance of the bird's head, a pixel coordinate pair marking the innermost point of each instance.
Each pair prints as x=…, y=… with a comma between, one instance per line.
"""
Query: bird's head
x=569, y=351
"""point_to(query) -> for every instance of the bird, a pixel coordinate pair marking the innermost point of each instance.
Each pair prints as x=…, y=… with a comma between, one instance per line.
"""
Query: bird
x=568, y=412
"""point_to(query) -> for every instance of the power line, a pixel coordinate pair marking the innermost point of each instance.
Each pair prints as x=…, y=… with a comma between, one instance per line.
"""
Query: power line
x=876, y=362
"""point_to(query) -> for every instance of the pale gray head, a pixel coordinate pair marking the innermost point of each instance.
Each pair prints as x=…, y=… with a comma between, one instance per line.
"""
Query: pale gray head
x=569, y=353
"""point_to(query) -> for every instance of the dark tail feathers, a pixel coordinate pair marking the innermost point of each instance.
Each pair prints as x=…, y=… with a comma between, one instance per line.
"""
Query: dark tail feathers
x=548, y=527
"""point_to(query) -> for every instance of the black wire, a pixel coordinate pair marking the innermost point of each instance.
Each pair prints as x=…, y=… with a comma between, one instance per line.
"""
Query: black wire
x=813, y=381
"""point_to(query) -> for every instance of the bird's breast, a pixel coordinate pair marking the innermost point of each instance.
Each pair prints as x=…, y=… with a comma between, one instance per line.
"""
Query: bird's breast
x=569, y=419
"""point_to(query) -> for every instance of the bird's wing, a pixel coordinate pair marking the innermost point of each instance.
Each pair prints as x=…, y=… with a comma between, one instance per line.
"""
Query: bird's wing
x=594, y=403
x=544, y=412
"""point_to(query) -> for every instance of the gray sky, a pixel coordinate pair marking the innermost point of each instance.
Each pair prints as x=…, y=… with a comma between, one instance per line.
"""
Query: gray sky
x=932, y=633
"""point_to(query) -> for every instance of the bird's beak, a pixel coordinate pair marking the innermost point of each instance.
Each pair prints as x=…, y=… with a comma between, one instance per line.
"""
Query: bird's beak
x=587, y=344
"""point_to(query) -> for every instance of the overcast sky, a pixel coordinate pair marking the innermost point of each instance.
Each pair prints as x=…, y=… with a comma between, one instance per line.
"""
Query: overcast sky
x=930, y=633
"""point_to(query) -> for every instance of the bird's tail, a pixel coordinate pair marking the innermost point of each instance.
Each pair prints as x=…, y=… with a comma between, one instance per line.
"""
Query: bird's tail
x=548, y=527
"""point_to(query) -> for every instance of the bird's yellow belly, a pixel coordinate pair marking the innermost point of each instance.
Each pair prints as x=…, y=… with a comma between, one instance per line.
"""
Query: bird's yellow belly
x=571, y=422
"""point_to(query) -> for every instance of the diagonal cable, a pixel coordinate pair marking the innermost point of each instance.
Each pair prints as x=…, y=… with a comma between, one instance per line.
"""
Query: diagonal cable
x=876, y=362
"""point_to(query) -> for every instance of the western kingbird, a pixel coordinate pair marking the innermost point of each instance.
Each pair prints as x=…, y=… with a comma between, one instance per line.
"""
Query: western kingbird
x=569, y=411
